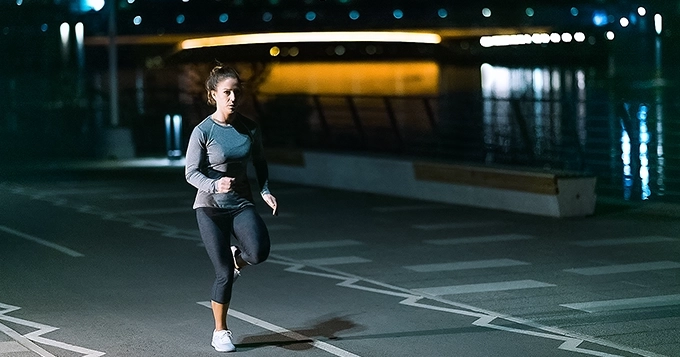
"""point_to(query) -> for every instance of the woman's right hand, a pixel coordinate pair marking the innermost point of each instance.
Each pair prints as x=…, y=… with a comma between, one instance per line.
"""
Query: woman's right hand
x=224, y=184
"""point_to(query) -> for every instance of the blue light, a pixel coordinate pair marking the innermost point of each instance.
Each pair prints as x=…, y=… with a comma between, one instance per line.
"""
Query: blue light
x=180, y=19
x=267, y=16
x=354, y=14
x=600, y=18
x=224, y=18
x=443, y=13
x=574, y=11
x=310, y=16
x=43, y=28
x=87, y=5
x=398, y=14
x=530, y=12
x=137, y=20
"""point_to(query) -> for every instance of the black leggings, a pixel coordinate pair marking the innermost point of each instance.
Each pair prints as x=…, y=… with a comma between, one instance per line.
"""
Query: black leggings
x=216, y=226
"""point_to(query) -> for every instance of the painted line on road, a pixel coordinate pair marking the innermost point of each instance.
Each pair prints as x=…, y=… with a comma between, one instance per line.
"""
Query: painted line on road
x=11, y=347
x=285, y=332
x=28, y=339
x=625, y=268
x=31, y=238
x=571, y=341
x=481, y=239
x=624, y=241
x=475, y=264
x=315, y=245
x=386, y=209
x=625, y=304
x=336, y=260
x=457, y=225
x=484, y=287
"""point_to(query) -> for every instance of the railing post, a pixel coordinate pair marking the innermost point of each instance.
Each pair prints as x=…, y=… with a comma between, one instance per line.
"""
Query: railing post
x=393, y=121
x=357, y=120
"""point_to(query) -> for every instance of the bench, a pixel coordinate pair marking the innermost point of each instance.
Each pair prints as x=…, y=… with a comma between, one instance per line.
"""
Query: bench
x=554, y=194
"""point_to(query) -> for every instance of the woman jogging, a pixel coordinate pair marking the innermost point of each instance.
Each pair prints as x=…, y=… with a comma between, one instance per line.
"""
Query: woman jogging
x=216, y=164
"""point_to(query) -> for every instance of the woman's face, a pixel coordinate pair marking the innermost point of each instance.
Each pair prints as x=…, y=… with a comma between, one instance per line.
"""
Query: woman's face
x=227, y=95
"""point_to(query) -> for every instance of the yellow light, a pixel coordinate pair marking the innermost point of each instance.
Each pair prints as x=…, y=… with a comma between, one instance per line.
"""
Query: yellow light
x=295, y=37
x=274, y=51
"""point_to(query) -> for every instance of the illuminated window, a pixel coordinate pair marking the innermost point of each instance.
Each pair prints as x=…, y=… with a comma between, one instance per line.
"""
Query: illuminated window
x=486, y=12
x=443, y=13
x=137, y=20
x=398, y=14
x=224, y=18
x=354, y=14
x=180, y=19
x=310, y=16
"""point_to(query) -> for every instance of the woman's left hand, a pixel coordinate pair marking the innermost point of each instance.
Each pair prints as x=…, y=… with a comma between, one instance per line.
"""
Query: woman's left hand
x=271, y=201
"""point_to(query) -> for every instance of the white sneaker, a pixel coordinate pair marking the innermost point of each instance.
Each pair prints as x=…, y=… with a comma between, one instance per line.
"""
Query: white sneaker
x=221, y=340
x=234, y=253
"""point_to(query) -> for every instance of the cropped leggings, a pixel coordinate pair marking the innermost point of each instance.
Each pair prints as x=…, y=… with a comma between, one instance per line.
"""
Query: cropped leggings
x=216, y=226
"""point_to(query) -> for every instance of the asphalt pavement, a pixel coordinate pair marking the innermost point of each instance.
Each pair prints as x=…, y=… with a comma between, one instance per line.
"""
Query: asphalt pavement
x=103, y=260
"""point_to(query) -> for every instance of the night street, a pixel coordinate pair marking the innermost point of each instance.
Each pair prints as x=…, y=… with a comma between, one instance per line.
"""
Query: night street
x=110, y=263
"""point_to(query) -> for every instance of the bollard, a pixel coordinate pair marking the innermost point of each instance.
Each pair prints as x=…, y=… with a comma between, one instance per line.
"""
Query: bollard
x=173, y=135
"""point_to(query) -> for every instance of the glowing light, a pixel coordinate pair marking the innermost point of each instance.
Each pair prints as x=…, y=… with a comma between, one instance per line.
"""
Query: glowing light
x=95, y=5
x=340, y=50
x=274, y=51
x=180, y=19
x=294, y=51
x=505, y=40
x=442, y=13
x=566, y=37
x=224, y=18
x=19, y=2
x=642, y=11
x=43, y=28
x=296, y=37
x=574, y=11
x=79, y=30
x=579, y=37
x=530, y=12
x=354, y=14
x=398, y=14
x=658, y=23
x=610, y=35
x=137, y=20
x=486, y=12
x=64, y=30
x=624, y=22
x=600, y=18
x=555, y=37
x=310, y=16
x=267, y=16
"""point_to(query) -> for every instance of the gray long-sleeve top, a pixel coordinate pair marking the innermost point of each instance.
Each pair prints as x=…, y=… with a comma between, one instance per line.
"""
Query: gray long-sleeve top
x=216, y=151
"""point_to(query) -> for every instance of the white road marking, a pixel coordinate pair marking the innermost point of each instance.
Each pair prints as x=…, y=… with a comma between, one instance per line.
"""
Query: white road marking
x=386, y=209
x=285, y=332
x=476, y=264
x=571, y=340
x=11, y=347
x=623, y=241
x=456, y=225
x=28, y=339
x=315, y=245
x=483, y=287
x=336, y=260
x=625, y=268
x=482, y=239
x=625, y=304
x=31, y=238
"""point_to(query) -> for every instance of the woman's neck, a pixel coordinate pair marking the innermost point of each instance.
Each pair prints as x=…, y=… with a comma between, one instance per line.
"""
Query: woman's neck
x=222, y=119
